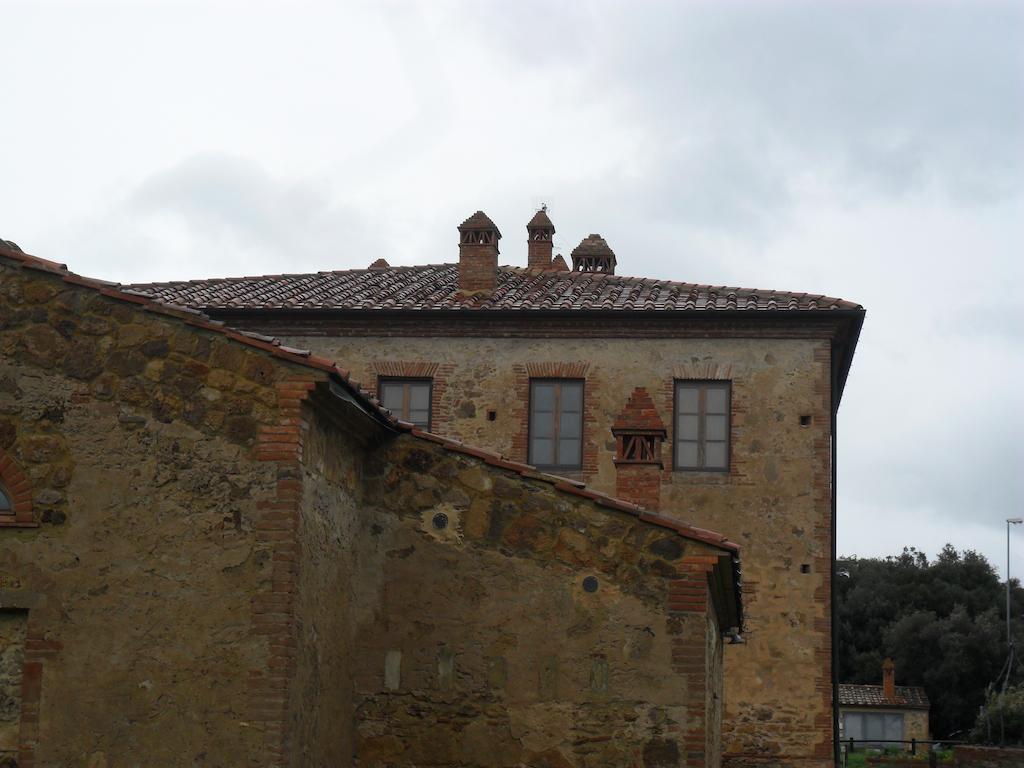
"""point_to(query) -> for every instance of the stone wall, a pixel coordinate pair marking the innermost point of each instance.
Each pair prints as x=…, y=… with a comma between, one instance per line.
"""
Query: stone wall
x=12, y=659
x=775, y=500
x=137, y=435
x=514, y=625
x=968, y=756
x=222, y=569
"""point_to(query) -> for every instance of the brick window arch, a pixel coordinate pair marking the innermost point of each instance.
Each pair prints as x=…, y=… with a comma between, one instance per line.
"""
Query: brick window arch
x=15, y=495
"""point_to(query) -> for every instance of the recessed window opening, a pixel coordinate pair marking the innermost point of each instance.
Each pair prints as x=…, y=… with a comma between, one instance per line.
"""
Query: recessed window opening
x=6, y=505
x=556, y=423
x=702, y=425
x=408, y=399
x=805, y=421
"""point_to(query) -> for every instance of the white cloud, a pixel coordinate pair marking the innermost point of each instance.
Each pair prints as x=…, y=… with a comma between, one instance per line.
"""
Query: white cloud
x=872, y=151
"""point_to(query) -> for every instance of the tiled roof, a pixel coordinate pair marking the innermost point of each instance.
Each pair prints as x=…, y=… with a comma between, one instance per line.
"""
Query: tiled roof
x=907, y=696
x=307, y=358
x=435, y=287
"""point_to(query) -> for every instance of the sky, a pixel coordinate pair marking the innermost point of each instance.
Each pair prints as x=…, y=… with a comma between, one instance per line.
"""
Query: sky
x=871, y=151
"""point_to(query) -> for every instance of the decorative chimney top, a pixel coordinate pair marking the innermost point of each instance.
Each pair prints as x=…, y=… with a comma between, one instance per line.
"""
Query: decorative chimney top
x=639, y=430
x=538, y=245
x=558, y=264
x=593, y=255
x=541, y=221
x=478, y=229
x=478, y=254
x=379, y=264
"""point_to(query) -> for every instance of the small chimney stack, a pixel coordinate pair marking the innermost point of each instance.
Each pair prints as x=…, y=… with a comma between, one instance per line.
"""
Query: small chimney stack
x=539, y=231
x=593, y=255
x=889, y=679
x=478, y=254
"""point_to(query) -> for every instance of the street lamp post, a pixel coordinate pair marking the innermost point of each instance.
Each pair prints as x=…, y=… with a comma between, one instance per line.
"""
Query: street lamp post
x=1009, y=521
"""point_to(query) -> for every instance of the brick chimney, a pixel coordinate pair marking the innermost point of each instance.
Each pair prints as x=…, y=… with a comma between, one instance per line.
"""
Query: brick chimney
x=593, y=255
x=478, y=254
x=889, y=679
x=538, y=243
x=639, y=432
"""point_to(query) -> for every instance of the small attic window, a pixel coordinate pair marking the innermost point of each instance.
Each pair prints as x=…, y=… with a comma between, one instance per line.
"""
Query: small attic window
x=6, y=507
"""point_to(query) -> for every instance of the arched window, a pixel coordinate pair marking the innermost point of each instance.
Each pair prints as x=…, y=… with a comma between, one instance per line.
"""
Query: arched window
x=15, y=496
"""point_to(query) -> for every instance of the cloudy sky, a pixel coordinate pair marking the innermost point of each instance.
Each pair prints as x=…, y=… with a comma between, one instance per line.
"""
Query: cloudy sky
x=864, y=150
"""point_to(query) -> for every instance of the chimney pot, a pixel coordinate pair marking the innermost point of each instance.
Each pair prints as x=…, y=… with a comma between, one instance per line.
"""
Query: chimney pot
x=478, y=254
x=593, y=255
x=539, y=231
x=889, y=679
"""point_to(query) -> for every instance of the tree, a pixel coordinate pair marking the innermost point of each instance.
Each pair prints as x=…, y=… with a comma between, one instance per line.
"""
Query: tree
x=942, y=622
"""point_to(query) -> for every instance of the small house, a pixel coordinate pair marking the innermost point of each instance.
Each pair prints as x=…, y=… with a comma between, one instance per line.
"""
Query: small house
x=883, y=713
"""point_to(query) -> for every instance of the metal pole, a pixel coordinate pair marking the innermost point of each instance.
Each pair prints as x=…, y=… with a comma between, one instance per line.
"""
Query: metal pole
x=1009, y=521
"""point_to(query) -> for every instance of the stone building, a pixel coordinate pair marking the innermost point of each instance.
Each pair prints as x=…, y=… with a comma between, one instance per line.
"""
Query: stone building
x=713, y=405
x=216, y=549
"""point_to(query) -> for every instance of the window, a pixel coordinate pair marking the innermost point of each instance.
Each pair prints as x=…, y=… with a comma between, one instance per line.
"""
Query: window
x=556, y=423
x=408, y=399
x=872, y=727
x=702, y=425
x=6, y=507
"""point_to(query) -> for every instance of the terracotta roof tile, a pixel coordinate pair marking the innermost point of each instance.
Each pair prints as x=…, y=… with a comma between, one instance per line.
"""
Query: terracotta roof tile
x=435, y=287
x=907, y=696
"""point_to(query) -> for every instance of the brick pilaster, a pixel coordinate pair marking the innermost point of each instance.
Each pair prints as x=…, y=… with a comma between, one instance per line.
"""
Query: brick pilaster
x=688, y=599
x=273, y=610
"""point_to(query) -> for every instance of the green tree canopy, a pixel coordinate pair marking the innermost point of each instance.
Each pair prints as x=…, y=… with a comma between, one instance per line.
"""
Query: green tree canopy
x=943, y=622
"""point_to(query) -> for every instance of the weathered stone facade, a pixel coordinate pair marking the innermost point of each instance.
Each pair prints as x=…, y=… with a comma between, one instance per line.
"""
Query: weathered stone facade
x=775, y=500
x=232, y=557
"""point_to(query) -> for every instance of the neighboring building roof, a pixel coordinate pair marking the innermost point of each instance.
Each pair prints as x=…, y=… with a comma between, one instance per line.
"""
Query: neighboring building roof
x=907, y=696
x=435, y=287
x=364, y=399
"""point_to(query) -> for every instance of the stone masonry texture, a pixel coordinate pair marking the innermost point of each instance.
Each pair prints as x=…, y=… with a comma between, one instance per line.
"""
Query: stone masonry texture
x=775, y=500
x=229, y=564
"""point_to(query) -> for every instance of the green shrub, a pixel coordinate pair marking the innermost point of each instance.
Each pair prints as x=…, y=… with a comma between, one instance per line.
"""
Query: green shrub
x=1002, y=718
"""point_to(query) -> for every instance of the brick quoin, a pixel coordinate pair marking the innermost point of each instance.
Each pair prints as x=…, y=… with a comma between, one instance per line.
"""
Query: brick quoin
x=688, y=599
x=273, y=611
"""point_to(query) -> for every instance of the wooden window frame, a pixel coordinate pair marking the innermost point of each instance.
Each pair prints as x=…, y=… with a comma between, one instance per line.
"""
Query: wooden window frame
x=405, y=380
x=558, y=414
x=702, y=386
